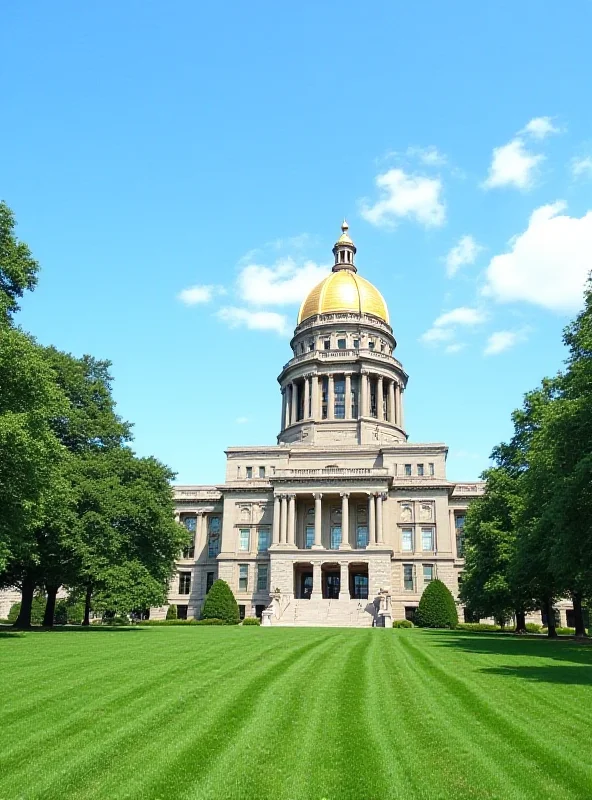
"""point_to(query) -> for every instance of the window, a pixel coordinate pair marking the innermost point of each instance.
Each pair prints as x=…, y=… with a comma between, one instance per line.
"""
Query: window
x=341, y=343
x=189, y=551
x=361, y=537
x=459, y=523
x=241, y=612
x=427, y=539
x=407, y=540
x=371, y=345
x=261, y=472
x=407, y=470
x=181, y=612
x=340, y=398
x=327, y=344
x=325, y=394
x=209, y=581
x=214, y=530
x=190, y=523
x=428, y=573
x=382, y=346
x=249, y=472
x=410, y=612
x=309, y=541
x=262, y=572
x=431, y=466
x=420, y=470
x=243, y=577
x=262, y=540
x=243, y=539
x=357, y=344
x=184, y=582
x=335, y=537
x=311, y=346
x=408, y=577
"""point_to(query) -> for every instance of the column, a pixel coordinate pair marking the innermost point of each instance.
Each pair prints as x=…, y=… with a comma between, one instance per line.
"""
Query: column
x=379, y=531
x=402, y=416
x=452, y=532
x=306, y=414
x=344, y=581
x=363, y=394
x=391, y=402
x=291, y=518
x=348, y=403
x=345, y=545
x=398, y=404
x=371, y=520
x=283, y=422
x=294, y=409
x=330, y=397
x=177, y=517
x=317, y=589
x=199, y=538
x=283, y=519
x=380, y=398
x=315, y=396
x=276, y=520
x=318, y=543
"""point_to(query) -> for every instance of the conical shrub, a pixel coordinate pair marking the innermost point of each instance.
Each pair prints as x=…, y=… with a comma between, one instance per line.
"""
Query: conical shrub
x=220, y=603
x=437, y=608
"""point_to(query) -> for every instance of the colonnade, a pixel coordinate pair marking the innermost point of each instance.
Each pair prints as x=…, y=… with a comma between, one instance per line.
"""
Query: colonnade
x=284, y=519
x=307, y=392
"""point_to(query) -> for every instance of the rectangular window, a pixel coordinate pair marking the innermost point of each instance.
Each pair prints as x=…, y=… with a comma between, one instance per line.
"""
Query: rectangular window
x=311, y=346
x=181, y=612
x=408, y=577
x=325, y=395
x=335, y=537
x=460, y=544
x=428, y=573
x=243, y=577
x=420, y=470
x=262, y=571
x=407, y=470
x=361, y=537
x=309, y=537
x=241, y=612
x=341, y=344
x=243, y=539
x=371, y=345
x=407, y=540
x=410, y=612
x=261, y=472
x=190, y=523
x=262, y=540
x=184, y=582
x=427, y=539
x=459, y=521
x=189, y=551
x=339, y=398
x=249, y=472
x=327, y=344
x=431, y=466
x=214, y=531
x=209, y=581
x=357, y=344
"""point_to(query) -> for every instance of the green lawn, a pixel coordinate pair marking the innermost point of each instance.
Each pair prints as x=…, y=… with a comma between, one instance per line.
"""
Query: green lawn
x=284, y=714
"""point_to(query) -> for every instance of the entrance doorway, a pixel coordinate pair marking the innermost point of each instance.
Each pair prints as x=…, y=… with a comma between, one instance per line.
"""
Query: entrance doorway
x=331, y=581
x=303, y=581
x=358, y=581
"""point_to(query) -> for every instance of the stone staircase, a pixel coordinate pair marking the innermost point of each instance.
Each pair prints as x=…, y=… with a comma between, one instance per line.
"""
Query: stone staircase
x=327, y=613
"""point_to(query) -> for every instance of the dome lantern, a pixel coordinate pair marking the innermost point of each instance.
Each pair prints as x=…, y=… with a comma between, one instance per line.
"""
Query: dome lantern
x=344, y=250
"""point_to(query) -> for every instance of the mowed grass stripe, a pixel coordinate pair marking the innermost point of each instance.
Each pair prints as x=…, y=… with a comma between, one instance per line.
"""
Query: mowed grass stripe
x=532, y=760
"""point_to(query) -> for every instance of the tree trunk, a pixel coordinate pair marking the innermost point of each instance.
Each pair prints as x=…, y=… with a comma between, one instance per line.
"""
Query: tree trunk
x=86, y=620
x=520, y=621
x=578, y=614
x=550, y=612
x=27, y=591
x=49, y=614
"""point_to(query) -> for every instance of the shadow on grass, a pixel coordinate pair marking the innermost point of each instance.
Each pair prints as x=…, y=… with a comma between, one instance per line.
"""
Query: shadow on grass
x=8, y=630
x=556, y=673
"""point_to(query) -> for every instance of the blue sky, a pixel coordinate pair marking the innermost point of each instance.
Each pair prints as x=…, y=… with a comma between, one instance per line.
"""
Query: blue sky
x=152, y=148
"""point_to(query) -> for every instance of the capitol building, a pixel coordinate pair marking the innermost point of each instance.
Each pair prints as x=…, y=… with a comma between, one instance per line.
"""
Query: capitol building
x=343, y=521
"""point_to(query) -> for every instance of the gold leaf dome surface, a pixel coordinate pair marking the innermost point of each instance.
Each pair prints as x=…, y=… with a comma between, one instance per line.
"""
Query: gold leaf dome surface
x=344, y=290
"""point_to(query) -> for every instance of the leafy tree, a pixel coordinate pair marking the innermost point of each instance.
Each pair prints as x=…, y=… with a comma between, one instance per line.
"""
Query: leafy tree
x=436, y=608
x=18, y=269
x=220, y=603
x=37, y=610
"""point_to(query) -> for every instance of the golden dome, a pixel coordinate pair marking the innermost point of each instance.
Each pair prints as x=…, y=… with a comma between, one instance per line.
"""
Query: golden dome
x=344, y=290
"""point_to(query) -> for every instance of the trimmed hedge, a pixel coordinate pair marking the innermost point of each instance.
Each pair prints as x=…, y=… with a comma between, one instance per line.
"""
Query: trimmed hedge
x=436, y=608
x=561, y=631
x=477, y=626
x=251, y=621
x=532, y=627
x=211, y=621
x=402, y=623
x=220, y=603
x=157, y=622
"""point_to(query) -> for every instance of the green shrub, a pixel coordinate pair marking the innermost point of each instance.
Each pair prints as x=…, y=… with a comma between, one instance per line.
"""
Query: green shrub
x=251, y=621
x=477, y=626
x=37, y=610
x=436, y=608
x=212, y=621
x=220, y=603
x=533, y=627
x=157, y=622
x=402, y=623
x=171, y=612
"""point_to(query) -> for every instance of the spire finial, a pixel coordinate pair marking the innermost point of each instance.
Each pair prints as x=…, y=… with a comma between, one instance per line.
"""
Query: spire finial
x=344, y=226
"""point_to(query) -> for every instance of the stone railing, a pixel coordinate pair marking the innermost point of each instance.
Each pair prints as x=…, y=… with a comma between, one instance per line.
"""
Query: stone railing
x=327, y=355
x=319, y=319
x=320, y=472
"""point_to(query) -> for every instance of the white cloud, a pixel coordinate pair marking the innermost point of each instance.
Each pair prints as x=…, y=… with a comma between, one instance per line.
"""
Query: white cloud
x=444, y=326
x=406, y=196
x=581, y=167
x=513, y=165
x=199, y=294
x=254, y=320
x=430, y=156
x=547, y=264
x=456, y=347
x=284, y=283
x=500, y=341
x=241, y=420
x=539, y=127
x=465, y=252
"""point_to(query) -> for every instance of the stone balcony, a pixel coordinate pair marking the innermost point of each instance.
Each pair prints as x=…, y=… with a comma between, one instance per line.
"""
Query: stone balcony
x=323, y=472
x=338, y=355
